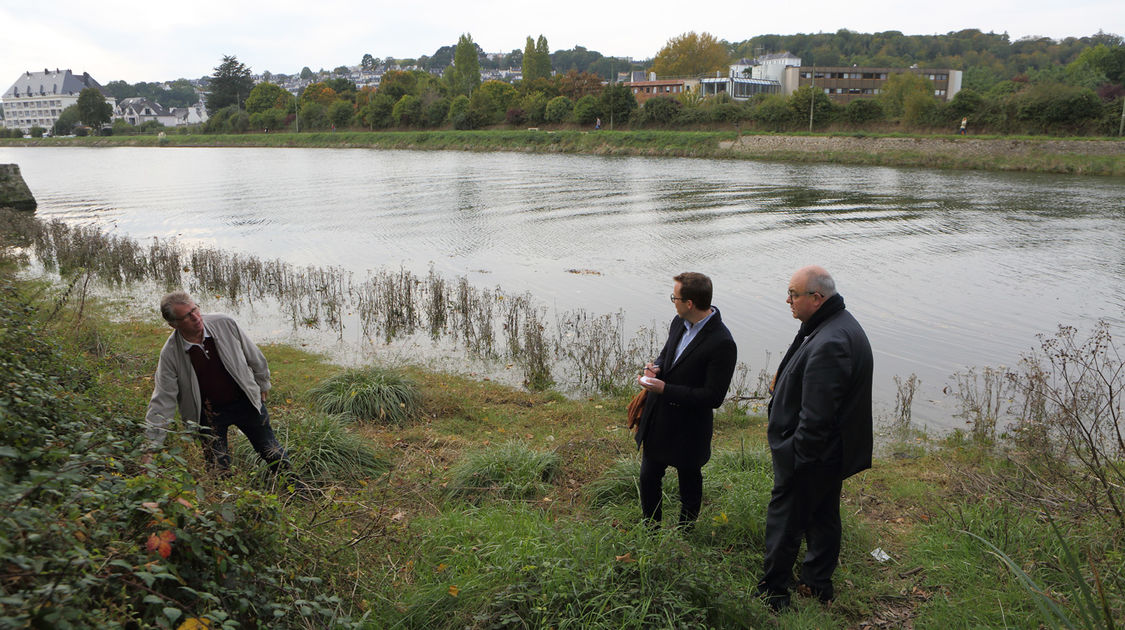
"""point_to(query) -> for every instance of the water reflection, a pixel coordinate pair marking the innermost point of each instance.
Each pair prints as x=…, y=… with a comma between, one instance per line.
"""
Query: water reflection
x=944, y=269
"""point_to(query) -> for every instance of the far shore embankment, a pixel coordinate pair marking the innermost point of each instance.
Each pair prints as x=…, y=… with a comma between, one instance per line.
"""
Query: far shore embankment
x=1077, y=156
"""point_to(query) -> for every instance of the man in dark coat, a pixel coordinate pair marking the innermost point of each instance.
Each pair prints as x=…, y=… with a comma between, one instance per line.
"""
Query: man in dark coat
x=685, y=383
x=819, y=434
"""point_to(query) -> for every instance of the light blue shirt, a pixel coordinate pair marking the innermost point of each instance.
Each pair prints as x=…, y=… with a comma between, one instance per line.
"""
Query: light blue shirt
x=691, y=330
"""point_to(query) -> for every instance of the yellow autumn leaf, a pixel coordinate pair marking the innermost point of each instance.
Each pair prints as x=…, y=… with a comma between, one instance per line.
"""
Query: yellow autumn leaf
x=453, y=590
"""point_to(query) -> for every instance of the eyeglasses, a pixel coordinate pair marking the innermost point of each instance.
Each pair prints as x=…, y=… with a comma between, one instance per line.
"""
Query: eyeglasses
x=794, y=295
x=194, y=311
x=679, y=299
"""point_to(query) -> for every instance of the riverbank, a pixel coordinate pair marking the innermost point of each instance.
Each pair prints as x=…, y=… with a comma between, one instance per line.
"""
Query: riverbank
x=497, y=507
x=1021, y=154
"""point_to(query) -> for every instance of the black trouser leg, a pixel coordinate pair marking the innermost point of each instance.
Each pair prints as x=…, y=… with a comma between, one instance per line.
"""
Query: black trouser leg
x=255, y=425
x=823, y=537
x=803, y=505
x=213, y=426
x=652, y=489
x=691, y=494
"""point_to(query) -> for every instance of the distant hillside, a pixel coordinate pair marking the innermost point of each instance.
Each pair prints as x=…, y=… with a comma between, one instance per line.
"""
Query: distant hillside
x=985, y=58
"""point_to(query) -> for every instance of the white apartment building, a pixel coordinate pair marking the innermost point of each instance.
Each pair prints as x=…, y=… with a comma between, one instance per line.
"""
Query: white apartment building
x=37, y=98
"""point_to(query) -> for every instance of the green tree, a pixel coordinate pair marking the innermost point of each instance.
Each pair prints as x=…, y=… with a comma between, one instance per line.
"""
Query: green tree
x=534, y=106
x=502, y=95
x=587, y=110
x=398, y=83
x=805, y=97
x=407, y=111
x=306, y=74
x=558, y=109
x=542, y=57
x=341, y=70
x=617, y=103
x=93, y=111
x=466, y=66
x=378, y=112
x=459, y=115
x=691, y=54
x=530, y=65
x=435, y=113
x=898, y=87
x=229, y=85
x=368, y=62
x=267, y=95
x=340, y=114
x=66, y=122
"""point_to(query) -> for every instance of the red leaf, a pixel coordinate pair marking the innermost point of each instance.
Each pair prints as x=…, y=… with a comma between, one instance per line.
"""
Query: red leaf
x=161, y=543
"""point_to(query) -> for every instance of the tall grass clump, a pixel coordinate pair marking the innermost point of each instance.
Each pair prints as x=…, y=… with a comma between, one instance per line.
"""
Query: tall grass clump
x=323, y=450
x=509, y=471
x=618, y=486
x=368, y=394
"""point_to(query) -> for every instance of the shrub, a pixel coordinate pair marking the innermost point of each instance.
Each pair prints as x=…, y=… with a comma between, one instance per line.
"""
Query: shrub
x=558, y=109
x=510, y=471
x=37, y=132
x=91, y=539
x=773, y=113
x=660, y=110
x=382, y=395
x=863, y=110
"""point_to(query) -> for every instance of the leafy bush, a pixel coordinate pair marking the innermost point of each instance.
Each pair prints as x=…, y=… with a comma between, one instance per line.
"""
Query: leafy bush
x=660, y=110
x=558, y=109
x=378, y=394
x=92, y=539
x=37, y=132
x=863, y=110
x=510, y=471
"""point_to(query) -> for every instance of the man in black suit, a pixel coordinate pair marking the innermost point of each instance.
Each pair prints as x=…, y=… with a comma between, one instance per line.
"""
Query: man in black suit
x=685, y=383
x=819, y=434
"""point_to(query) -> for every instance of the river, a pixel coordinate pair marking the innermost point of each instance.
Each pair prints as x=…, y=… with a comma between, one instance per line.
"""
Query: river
x=946, y=270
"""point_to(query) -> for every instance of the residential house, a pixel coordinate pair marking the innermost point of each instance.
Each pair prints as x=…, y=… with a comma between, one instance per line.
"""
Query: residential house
x=137, y=110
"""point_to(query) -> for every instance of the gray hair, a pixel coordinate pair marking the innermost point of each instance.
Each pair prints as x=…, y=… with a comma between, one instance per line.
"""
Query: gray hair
x=170, y=300
x=820, y=282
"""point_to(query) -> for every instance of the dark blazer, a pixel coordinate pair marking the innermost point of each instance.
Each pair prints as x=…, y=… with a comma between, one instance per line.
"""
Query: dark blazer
x=676, y=426
x=820, y=413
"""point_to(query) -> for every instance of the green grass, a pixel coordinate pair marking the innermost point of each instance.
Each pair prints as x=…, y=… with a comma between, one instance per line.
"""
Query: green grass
x=369, y=394
x=509, y=471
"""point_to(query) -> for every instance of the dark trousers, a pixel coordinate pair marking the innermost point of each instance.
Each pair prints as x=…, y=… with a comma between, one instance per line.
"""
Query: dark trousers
x=254, y=424
x=652, y=485
x=806, y=506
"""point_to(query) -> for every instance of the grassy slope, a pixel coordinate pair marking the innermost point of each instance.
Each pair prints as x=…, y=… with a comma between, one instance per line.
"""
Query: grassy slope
x=398, y=548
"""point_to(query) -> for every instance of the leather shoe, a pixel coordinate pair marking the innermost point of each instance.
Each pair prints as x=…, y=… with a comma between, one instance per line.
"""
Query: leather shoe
x=824, y=593
x=777, y=600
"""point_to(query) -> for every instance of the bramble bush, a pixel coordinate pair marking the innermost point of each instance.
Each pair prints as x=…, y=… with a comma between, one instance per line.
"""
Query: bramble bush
x=90, y=538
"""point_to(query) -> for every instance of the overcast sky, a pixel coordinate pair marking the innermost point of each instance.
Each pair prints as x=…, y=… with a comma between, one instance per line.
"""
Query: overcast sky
x=144, y=41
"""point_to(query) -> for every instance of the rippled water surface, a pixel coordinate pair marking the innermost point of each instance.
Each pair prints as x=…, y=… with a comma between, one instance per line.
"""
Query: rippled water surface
x=944, y=269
